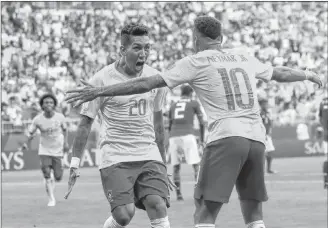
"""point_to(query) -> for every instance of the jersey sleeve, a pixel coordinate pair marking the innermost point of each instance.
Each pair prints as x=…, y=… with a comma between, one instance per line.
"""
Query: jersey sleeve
x=180, y=72
x=160, y=99
x=91, y=108
x=262, y=71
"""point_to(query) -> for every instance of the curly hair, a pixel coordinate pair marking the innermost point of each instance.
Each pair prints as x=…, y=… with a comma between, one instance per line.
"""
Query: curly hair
x=208, y=26
x=48, y=96
x=132, y=29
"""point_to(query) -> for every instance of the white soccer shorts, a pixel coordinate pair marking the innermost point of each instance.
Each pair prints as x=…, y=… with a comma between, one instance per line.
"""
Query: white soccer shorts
x=187, y=145
x=269, y=147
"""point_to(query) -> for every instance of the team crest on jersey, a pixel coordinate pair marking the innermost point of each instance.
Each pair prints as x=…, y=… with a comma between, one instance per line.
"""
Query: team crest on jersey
x=109, y=196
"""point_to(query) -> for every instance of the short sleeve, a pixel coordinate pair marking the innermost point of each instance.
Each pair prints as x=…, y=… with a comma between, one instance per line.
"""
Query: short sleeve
x=91, y=108
x=180, y=72
x=160, y=99
x=262, y=71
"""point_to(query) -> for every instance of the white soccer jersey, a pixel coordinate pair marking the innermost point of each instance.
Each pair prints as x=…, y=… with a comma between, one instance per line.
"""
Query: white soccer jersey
x=127, y=130
x=225, y=83
x=52, y=137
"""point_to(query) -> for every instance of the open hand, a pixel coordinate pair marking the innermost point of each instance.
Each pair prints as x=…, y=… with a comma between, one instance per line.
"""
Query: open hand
x=82, y=94
x=313, y=77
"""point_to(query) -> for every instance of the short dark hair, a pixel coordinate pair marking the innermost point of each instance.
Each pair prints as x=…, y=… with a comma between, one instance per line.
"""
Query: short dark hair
x=263, y=101
x=132, y=29
x=208, y=26
x=186, y=90
x=48, y=96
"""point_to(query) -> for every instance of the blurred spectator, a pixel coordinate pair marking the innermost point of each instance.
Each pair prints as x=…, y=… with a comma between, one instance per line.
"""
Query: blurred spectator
x=50, y=46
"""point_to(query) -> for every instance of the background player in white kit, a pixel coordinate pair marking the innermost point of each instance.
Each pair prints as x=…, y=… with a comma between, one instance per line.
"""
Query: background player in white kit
x=182, y=138
x=225, y=83
x=53, y=142
x=132, y=167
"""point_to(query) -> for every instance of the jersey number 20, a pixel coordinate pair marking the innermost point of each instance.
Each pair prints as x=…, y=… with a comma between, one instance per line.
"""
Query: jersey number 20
x=233, y=98
x=138, y=107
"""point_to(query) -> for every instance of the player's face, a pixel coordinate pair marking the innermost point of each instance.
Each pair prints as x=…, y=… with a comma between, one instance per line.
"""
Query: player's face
x=137, y=53
x=48, y=104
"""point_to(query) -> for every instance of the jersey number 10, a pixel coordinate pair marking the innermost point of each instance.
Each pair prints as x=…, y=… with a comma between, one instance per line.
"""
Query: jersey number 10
x=236, y=97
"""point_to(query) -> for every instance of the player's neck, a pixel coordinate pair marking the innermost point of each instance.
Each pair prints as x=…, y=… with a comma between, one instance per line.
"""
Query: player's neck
x=185, y=97
x=49, y=114
x=210, y=46
x=123, y=68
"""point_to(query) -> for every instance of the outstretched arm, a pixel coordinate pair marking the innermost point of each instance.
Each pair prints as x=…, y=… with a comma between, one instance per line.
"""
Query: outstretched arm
x=134, y=86
x=286, y=74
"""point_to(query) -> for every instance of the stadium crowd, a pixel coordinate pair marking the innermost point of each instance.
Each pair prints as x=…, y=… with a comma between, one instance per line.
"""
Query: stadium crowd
x=49, y=49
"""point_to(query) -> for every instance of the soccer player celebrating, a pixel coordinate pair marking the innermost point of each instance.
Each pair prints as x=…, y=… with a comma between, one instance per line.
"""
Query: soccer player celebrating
x=132, y=167
x=267, y=121
x=225, y=83
x=182, y=138
x=53, y=143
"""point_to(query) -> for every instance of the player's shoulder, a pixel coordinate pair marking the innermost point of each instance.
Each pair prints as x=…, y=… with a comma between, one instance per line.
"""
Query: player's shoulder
x=59, y=115
x=104, y=73
x=194, y=103
x=150, y=71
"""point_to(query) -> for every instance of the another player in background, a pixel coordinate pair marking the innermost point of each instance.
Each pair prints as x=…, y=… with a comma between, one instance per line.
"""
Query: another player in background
x=53, y=143
x=182, y=138
x=323, y=117
x=132, y=166
x=225, y=83
x=267, y=121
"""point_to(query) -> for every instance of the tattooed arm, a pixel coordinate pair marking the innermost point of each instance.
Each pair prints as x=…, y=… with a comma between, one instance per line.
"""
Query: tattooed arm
x=134, y=86
x=160, y=133
x=82, y=135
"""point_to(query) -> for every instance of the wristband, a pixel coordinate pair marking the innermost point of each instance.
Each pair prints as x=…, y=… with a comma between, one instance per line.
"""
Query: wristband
x=75, y=162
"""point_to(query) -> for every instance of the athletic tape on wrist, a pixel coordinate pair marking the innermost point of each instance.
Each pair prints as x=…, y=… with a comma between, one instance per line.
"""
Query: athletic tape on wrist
x=75, y=162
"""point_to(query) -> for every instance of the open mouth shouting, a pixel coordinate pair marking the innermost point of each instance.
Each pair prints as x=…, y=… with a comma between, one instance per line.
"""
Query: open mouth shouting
x=139, y=65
